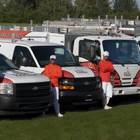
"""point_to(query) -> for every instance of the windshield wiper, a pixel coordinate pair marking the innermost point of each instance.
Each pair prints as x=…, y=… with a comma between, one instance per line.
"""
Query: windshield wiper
x=132, y=61
x=116, y=62
x=69, y=63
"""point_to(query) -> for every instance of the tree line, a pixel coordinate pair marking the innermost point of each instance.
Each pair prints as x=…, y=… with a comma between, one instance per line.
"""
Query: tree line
x=22, y=11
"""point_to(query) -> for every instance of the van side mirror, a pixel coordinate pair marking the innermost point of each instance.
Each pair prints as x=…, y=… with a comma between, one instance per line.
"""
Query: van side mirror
x=92, y=52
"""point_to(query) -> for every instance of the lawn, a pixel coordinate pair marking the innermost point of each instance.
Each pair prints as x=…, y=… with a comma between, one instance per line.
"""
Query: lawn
x=120, y=123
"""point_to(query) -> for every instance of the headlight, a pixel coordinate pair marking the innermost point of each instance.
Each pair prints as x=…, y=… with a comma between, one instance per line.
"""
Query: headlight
x=66, y=82
x=98, y=79
x=6, y=88
x=99, y=85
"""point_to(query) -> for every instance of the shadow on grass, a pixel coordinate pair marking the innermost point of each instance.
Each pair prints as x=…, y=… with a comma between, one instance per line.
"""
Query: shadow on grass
x=126, y=99
x=19, y=117
x=115, y=101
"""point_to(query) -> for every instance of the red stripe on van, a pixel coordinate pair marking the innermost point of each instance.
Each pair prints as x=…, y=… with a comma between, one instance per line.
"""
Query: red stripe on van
x=8, y=33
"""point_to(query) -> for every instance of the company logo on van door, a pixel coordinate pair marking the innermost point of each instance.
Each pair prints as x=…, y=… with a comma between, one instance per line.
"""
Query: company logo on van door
x=79, y=71
x=127, y=73
x=19, y=74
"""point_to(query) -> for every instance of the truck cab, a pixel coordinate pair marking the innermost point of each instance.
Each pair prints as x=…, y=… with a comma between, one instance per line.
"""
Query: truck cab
x=79, y=85
x=22, y=92
x=124, y=54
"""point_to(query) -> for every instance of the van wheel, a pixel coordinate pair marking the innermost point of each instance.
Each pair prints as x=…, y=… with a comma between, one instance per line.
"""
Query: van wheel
x=83, y=107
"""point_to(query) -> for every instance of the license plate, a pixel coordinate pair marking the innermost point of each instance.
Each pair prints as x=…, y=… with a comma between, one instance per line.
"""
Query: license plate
x=88, y=100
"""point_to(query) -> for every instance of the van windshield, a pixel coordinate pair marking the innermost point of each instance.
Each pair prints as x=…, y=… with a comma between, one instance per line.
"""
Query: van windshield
x=122, y=51
x=6, y=64
x=63, y=56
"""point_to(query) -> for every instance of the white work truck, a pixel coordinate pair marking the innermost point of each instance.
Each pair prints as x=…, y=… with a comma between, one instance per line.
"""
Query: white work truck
x=79, y=85
x=124, y=54
x=22, y=92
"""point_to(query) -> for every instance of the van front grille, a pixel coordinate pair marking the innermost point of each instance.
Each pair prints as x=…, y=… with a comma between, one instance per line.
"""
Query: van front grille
x=32, y=89
x=85, y=84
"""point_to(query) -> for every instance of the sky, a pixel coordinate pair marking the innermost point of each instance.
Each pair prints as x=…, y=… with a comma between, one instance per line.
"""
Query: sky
x=138, y=3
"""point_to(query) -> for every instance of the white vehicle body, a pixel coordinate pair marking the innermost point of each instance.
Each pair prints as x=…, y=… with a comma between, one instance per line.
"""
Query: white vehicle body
x=127, y=80
x=45, y=37
x=83, y=83
x=22, y=92
x=127, y=69
x=127, y=31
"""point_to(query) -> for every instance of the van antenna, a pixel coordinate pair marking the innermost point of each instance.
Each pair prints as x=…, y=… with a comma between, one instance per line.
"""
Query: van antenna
x=13, y=37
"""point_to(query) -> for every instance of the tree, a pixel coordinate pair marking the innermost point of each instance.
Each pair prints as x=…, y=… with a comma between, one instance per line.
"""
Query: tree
x=125, y=5
x=16, y=11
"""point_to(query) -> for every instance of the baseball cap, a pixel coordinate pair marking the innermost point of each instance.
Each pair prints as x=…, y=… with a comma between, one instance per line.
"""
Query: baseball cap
x=106, y=53
x=52, y=57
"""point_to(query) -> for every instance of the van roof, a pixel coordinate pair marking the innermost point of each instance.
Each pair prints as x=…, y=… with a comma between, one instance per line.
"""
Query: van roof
x=36, y=43
x=109, y=37
x=29, y=42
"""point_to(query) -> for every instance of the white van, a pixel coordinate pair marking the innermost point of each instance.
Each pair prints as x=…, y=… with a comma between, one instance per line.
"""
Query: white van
x=79, y=85
x=22, y=92
x=123, y=49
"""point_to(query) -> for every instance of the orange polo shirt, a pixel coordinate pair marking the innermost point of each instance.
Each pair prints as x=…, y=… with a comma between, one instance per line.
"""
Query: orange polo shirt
x=106, y=68
x=54, y=72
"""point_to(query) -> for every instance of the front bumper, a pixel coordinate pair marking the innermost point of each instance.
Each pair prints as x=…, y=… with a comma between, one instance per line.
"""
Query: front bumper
x=79, y=98
x=11, y=105
x=126, y=91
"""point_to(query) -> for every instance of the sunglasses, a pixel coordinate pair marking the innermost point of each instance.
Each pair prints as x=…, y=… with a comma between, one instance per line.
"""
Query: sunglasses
x=52, y=59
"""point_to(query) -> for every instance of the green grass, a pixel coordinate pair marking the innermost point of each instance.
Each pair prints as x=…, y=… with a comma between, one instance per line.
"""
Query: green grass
x=120, y=123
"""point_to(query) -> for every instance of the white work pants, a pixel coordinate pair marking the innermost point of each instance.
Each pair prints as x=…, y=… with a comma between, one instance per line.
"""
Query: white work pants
x=56, y=100
x=107, y=89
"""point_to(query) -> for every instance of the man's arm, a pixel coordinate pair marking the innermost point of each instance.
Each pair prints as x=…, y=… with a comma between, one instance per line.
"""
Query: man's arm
x=102, y=67
x=48, y=73
x=59, y=73
x=111, y=67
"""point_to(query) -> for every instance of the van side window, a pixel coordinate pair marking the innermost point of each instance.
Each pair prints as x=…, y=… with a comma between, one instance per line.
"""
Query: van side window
x=84, y=49
x=19, y=54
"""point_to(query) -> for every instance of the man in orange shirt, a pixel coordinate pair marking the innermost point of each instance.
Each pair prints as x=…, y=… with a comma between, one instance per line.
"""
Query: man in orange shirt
x=106, y=68
x=54, y=72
